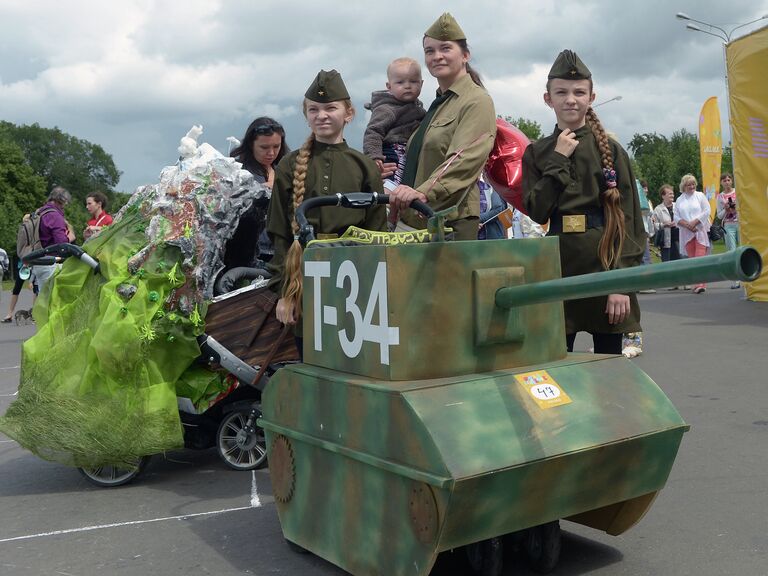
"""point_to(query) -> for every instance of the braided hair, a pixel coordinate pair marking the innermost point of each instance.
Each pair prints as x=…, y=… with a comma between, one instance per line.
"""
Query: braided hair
x=292, y=288
x=294, y=279
x=611, y=244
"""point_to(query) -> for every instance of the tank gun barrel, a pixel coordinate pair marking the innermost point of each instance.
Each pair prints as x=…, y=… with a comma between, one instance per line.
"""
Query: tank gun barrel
x=744, y=264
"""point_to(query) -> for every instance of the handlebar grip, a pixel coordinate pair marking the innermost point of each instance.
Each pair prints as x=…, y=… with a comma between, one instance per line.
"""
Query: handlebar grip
x=422, y=208
x=92, y=262
x=57, y=253
x=32, y=258
x=41, y=261
x=349, y=200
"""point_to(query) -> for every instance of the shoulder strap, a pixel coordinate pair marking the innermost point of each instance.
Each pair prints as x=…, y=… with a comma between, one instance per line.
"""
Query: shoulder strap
x=42, y=212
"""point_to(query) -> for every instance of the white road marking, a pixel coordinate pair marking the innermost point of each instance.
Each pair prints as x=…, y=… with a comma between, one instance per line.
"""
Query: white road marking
x=9, y=367
x=9, y=395
x=6, y=441
x=255, y=502
x=121, y=524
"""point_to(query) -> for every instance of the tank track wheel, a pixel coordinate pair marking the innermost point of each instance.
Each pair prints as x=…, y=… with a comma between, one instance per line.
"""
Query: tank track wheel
x=282, y=468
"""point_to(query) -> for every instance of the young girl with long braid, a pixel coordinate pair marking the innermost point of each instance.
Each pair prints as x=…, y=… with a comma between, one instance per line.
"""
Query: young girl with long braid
x=581, y=180
x=324, y=165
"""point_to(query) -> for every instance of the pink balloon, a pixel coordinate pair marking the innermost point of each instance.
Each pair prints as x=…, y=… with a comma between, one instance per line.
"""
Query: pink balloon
x=504, y=168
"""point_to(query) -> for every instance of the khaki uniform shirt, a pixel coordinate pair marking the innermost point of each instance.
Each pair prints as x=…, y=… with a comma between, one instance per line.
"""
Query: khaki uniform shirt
x=552, y=182
x=463, y=124
x=332, y=169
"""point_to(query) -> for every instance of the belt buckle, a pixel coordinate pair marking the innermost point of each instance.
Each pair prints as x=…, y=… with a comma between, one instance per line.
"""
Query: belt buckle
x=574, y=223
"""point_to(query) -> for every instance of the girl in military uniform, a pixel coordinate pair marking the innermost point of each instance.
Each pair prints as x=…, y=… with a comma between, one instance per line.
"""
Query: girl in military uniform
x=581, y=180
x=449, y=149
x=324, y=165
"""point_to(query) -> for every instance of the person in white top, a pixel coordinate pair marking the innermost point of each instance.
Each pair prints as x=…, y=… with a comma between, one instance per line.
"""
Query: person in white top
x=692, y=217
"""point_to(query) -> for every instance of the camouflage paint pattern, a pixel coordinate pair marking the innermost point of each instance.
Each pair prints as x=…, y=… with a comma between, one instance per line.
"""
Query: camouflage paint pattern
x=743, y=264
x=440, y=300
x=388, y=474
x=407, y=431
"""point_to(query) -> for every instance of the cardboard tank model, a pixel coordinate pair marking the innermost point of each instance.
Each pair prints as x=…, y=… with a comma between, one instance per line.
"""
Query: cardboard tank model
x=437, y=407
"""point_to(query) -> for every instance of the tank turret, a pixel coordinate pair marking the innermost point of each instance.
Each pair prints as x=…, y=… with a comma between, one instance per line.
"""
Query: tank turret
x=448, y=308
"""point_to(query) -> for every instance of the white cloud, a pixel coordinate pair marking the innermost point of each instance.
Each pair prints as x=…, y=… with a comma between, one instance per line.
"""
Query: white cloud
x=133, y=76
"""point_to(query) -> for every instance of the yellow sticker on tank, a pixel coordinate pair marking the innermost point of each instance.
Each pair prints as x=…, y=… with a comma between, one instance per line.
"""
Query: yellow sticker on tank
x=543, y=389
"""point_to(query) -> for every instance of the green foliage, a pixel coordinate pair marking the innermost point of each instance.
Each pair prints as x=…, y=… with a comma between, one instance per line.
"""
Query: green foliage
x=661, y=160
x=63, y=160
x=727, y=164
x=21, y=191
x=530, y=128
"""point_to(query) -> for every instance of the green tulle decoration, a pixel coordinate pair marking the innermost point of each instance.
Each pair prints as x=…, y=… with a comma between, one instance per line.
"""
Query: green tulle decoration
x=98, y=378
x=113, y=351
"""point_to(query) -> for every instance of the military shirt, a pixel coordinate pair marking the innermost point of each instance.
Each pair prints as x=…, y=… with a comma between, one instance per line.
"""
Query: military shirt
x=332, y=169
x=556, y=185
x=463, y=124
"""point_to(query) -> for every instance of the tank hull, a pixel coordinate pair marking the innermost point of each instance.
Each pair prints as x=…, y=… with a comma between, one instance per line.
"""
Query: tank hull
x=378, y=477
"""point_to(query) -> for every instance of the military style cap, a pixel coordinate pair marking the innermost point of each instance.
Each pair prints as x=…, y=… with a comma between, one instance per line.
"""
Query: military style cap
x=446, y=28
x=569, y=66
x=327, y=87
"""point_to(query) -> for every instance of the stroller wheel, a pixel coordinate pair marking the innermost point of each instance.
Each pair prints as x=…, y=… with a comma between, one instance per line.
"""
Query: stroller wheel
x=239, y=448
x=109, y=476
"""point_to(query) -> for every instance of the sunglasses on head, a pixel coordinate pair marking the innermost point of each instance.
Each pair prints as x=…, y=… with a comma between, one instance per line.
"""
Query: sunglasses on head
x=266, y=129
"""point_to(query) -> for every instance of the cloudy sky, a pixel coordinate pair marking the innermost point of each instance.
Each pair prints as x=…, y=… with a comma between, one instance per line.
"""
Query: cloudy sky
x=134, y=75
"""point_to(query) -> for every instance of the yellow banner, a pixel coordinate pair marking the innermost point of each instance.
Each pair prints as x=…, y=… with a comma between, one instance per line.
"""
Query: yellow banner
x=711, y=151
x=747, y=61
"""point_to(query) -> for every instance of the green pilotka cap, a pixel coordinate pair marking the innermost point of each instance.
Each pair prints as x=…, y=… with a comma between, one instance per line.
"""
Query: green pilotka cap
x=327, y=87
x=446, y=28
x=569, y=66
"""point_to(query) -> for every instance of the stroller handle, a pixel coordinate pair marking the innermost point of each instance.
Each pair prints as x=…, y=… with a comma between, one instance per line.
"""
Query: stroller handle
x=349, y=200
x=58, y=253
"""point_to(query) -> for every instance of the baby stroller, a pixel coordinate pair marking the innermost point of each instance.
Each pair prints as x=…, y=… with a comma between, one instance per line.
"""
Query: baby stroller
x=145, y=343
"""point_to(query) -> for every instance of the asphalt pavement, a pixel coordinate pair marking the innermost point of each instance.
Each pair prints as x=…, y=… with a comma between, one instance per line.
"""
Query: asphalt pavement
x=189, y=514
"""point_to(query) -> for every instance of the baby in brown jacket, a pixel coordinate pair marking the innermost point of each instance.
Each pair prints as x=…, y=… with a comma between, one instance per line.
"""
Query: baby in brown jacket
x=395, y=114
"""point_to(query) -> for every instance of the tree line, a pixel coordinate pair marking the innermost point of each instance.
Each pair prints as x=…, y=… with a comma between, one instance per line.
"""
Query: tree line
x=34, y=159
x=661, y=160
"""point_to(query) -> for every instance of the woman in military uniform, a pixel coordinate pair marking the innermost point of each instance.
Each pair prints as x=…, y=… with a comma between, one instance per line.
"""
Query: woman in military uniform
x=581, y=180
x=449, y=149
x=324, y=165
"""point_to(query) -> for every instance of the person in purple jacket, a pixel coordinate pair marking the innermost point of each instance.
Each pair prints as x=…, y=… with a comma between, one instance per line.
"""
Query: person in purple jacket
x=53, y=229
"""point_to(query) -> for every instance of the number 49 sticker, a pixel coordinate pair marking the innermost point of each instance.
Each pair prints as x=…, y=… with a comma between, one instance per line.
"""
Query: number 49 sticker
x=543, y=389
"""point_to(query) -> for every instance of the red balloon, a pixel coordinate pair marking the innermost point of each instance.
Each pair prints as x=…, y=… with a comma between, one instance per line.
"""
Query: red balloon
x=504, y=168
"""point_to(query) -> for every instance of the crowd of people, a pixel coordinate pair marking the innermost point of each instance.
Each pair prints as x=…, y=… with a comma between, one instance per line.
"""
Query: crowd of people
x=682, y=228
x=578, y=181
x=53, y=228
